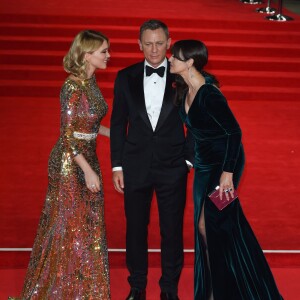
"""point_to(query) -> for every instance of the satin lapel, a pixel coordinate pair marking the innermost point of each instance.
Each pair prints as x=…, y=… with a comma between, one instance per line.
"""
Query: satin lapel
x=168, y=103
x=137, y=91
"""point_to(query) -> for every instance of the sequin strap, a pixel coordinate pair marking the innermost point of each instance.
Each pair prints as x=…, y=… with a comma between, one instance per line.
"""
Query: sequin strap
x=84, y=136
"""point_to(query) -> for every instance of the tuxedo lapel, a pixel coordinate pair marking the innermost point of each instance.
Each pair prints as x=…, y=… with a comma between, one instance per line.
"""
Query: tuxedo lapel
x=167, y=104
x=137, y=90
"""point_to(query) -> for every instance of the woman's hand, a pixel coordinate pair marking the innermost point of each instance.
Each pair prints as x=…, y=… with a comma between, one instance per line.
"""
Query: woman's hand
x=91, y=178
x=226, y=185
x=92, y=181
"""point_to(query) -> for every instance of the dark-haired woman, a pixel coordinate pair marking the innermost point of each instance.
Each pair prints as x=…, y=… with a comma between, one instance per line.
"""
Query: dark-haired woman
x=69, y=258
x=229, y=263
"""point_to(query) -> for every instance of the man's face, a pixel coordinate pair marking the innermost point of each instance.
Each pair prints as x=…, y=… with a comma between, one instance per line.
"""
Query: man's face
x=154, y=44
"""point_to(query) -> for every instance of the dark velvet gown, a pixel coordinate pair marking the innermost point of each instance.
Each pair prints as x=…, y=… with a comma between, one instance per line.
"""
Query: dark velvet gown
x=238, y=268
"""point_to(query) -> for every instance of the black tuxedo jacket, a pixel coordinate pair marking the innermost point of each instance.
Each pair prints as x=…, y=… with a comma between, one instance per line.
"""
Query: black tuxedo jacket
x=134, y=145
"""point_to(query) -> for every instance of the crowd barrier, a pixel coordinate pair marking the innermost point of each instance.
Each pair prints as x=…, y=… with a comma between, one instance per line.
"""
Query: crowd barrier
x=274, y=15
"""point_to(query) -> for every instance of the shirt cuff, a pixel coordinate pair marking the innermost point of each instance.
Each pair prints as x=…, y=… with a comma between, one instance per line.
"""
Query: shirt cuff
x=189, y=164
x=117, y=169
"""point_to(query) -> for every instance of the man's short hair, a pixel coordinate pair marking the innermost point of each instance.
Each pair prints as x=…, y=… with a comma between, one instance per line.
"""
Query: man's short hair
x=153, y=25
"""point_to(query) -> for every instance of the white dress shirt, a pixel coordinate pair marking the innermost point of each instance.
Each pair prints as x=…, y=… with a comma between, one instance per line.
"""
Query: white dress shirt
x=154, y=90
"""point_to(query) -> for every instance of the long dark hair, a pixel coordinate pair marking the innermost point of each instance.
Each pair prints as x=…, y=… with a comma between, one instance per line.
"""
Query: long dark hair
x=184, y=50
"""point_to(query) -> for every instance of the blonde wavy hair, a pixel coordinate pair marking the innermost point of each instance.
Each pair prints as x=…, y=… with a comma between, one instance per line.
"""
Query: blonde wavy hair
x=86, y=41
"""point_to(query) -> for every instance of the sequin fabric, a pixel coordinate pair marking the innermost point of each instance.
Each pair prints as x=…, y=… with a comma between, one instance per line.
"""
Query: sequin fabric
x=69, y=258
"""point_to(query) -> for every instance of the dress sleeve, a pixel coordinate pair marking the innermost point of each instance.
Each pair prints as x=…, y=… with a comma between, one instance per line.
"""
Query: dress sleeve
x=217, y=107
x=70, y=99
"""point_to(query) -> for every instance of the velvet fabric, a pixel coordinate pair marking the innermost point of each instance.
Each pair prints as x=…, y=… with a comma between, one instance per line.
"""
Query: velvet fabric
x=237, y=268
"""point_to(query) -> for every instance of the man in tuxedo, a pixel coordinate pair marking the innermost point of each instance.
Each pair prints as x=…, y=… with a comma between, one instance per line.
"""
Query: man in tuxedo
x=150, y=152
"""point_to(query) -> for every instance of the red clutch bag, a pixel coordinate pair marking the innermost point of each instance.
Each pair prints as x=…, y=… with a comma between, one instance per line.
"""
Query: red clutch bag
x=214, y=196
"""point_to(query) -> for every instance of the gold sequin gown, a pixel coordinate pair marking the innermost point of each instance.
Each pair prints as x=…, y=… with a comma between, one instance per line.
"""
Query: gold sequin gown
x=69, y=259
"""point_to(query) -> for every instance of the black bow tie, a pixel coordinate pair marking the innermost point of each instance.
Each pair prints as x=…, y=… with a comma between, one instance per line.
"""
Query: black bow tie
x=160, y=71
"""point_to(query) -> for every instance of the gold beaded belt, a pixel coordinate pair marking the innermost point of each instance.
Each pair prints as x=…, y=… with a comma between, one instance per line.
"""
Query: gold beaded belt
x=84, y=136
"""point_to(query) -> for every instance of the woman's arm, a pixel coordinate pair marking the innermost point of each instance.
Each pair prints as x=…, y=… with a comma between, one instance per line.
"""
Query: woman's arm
x=69, y=117
x=104, y=131
x=91, y=178
x=217, y=107
x=219, y=110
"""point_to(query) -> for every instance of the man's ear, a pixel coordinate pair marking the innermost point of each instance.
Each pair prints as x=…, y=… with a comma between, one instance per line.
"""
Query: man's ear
x=169, y=43
x=140, y=44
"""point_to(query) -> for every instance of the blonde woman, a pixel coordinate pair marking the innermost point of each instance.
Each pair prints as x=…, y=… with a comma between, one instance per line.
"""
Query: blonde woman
x=69, y=258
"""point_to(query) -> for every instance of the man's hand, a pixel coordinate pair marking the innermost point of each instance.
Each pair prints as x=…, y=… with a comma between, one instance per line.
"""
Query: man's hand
x=118, y=181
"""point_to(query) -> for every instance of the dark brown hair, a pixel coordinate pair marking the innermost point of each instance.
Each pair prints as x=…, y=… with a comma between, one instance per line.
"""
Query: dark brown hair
x=184, y=50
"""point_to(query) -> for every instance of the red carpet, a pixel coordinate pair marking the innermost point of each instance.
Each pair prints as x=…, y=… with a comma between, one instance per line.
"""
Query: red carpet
x=256, y=61
x=286, y=279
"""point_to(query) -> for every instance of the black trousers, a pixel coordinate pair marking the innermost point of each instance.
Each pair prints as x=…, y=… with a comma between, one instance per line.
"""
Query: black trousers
x=170, y=189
